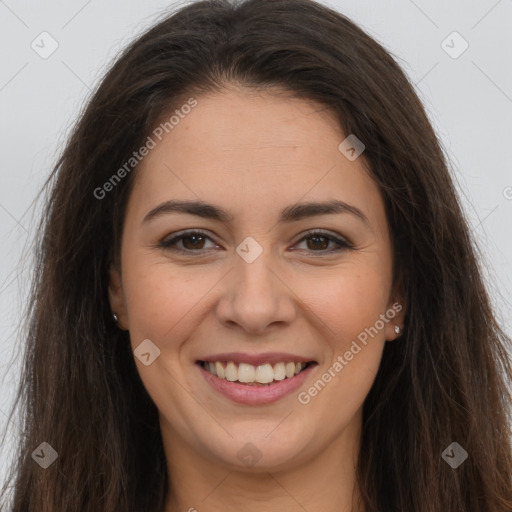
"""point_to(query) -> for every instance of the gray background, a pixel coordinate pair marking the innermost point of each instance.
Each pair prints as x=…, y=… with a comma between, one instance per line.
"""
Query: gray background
x=468, y=98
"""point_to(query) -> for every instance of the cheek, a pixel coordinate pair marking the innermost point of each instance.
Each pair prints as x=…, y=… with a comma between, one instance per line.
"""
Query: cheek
x=346, y=300
x=350, y=306
x=356, y=342
x=164, y=302
x=161, y=298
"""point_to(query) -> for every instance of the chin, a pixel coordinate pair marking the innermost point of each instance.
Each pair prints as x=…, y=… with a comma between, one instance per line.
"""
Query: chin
x=260, y=452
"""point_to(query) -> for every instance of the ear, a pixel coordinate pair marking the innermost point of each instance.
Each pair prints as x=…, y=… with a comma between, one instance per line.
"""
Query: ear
x=116, y=297
x=395, y=313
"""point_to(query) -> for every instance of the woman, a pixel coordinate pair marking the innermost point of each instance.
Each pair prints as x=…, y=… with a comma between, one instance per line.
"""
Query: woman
x=256, y=288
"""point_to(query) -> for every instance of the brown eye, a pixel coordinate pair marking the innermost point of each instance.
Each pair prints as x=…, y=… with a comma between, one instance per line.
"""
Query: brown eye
x=192, y=241
x=318, y=241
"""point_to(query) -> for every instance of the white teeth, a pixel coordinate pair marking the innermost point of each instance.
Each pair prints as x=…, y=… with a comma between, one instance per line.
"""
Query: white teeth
x=264, y=374
x=220, y=370
x=247, y=373
x=231, y=372
x=279, y=371
x=290, y=369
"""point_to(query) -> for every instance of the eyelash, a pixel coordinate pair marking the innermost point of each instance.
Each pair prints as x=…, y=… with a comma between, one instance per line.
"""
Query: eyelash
x=342, y=244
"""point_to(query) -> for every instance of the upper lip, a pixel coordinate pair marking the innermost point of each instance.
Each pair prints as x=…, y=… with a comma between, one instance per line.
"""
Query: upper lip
x=256, y=359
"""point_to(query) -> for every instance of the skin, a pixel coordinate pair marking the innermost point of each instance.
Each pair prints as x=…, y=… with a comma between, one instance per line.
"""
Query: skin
x=254, y=154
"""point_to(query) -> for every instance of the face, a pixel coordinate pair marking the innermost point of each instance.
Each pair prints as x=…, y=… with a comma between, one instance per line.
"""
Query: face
x=248, y=283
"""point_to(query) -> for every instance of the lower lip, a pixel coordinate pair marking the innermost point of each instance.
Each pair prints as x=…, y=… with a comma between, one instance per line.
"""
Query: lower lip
x=256, y=395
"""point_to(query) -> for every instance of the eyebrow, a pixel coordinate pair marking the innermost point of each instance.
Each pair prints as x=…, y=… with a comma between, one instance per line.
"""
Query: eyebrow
x=294, y=212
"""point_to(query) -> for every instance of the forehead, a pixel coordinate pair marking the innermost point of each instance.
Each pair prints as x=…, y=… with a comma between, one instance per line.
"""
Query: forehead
x=238, y=123
x=253, y=149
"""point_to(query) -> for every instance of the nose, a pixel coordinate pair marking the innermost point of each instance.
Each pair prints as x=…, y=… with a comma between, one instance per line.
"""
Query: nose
x=256, y=297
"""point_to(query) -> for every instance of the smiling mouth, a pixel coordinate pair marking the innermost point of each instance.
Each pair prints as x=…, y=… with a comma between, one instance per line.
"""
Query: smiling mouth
x=250, y=375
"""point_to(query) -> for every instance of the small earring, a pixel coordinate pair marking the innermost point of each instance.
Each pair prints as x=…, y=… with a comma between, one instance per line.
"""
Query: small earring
x=115, y=317
x=397, y=329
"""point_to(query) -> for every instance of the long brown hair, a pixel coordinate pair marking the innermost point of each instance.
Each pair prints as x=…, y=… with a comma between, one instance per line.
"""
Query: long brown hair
x=445, y=381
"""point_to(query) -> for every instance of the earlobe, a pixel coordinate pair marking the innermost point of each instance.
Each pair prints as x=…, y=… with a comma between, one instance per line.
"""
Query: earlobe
x=116, y=298
x=396, y=315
